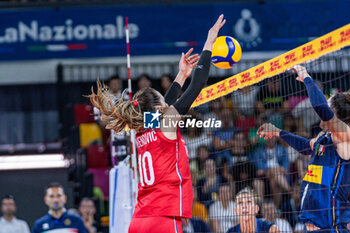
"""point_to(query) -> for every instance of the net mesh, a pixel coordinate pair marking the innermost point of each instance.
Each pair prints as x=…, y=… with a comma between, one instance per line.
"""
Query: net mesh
x=233, y=158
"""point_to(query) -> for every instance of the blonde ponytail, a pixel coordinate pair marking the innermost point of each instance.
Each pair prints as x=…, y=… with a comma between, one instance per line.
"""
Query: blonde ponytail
x=116, y=115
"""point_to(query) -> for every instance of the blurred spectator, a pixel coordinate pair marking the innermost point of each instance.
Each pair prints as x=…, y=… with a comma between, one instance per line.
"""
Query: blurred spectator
x=291, y=207
x=239, y=148
x=215, y=107
x=271, y=98
x=289, y=124
x=269, y=212
x=246, y=209
x=165, y=82
x=8, y=222
x=244, y=171
x=58, y=217
x=198, y=209
x=272, y=101
x=209, y=185
x=221, y=212
x=87, y=211
x=194, y=138
x=244, y=123
x=300, y=228
x=203, y=154
x=144, y=81
x=194, y=177
x=223, y=138
x=73, y=211
x=226, y=174
x=245, y=100
x=194, y=225
x=306, y=115
x=271, y=160
x=114, y=84
x=254, y=139
x=302, y=165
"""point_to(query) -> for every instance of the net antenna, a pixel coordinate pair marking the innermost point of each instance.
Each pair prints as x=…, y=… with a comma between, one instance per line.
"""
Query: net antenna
x=132, y=131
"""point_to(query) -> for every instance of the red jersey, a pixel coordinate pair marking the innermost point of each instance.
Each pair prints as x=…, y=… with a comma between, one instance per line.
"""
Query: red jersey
x=165, y=187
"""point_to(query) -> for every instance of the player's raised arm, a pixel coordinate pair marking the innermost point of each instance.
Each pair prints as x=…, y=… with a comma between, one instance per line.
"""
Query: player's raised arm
x=201, y=72
x=186, y=65
x=199, y=79
x=300, y=144
x=339, y=127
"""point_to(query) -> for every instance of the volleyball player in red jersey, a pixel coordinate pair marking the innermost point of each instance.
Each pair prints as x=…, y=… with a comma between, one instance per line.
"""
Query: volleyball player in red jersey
x=165, y=188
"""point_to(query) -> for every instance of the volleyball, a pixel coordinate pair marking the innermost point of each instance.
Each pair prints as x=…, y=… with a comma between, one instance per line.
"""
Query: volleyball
x=226, y=52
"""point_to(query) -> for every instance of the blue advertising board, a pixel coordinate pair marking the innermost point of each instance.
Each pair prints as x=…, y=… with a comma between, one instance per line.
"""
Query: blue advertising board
x=80, y=32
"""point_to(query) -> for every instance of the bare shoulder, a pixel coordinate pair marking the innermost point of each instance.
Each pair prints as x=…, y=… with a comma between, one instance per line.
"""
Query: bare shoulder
x=343, y=149
x=171, y=113
x=340, y=130
x=169, y=122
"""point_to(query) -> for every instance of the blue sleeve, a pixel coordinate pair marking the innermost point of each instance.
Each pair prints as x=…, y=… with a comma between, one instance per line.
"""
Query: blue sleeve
x=81, y=226
x=200, y=194
x=318, y=100
x=283, y=157
x=270, y=225
x=199, y=225
x=300, y=144
x=265, y=225
x=258, y=158
x=233, y=229
x=205, y=228
x=35, y=228
x=216, y=134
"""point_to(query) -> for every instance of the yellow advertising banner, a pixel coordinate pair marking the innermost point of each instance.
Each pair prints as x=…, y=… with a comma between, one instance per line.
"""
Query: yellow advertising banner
x=328, y=43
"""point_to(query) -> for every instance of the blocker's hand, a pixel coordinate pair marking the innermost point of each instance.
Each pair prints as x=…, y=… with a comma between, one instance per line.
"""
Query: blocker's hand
x=213, y=33
x=187, y=63
x=268, y=130
x=301, y=71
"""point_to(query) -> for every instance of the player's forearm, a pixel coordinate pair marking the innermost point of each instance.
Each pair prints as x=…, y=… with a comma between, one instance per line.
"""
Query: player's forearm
x=173, y=93
x=208, y=45
x=175, y=89
x=180, y=78
x=300, y=144
x=318, y=100
x=199, y=80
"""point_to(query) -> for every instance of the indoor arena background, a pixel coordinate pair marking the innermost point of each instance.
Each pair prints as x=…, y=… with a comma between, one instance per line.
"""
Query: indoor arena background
x=52, y=52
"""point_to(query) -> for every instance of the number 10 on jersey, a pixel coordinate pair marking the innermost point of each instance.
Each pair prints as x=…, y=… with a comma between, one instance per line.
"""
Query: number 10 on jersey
x=146, y=169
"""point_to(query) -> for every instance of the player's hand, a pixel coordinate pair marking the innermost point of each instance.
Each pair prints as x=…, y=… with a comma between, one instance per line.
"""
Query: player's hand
x=301, y=71
x=188, y=62
x=268, y=130
x=213, y=33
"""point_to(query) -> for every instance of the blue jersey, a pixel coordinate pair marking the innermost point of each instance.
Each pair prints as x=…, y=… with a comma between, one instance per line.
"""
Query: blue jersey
x=68, y=223
x=326, y=187
x=261, y=226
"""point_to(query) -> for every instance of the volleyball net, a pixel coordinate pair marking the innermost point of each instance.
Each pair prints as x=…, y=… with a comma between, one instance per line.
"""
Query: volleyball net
x=232, y=158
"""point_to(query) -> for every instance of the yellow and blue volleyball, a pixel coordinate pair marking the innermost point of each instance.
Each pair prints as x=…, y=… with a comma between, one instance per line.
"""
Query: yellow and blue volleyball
x=226, y=52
